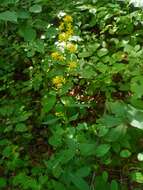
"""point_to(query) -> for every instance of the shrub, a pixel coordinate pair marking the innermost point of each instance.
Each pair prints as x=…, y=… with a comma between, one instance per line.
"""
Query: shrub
x=71, y=95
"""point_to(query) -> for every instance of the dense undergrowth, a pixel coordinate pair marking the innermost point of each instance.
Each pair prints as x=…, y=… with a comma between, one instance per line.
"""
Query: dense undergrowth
x=71, y=95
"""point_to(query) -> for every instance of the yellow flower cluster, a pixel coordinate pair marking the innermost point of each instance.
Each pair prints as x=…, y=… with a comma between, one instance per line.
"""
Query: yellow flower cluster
x=62, y=26
x=72, y=65
x=71, y=47
x=64, y=36
x=66, y=31
x=57, y=56
x=58, y=81
x=68, y=19
x=66, y=28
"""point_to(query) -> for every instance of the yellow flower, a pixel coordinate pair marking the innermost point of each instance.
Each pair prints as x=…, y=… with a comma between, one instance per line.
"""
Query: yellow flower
x=64, y=36
x=61, y=27
x=69, y=32
x=58, y=81
x=69, y=26
x=68, y=18
x=71, y=47
x=72, y=65
x=57, y=56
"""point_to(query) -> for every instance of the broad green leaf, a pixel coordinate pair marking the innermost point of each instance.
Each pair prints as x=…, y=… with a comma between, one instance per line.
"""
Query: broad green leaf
x=137, y=177
x=85, y=54
x=58, y=186
x=28, y=33
x=50, y=119
x=105, y=176
x=114, y=185
x=100, y=184
x=88, y=72
x=67, y=101
x=102, y=149
x=125, y=153
x=102, y=52
x=23, y=14
x=67, y=155
x=21, y=127
x=118, y=108
x=51, y=32
x=8, y=16
x=115, y=133
x=116, y=147
x=48, y=103
x=57, y=171
x=7, y=151
x=135, y=117
x=79, y=182
x=136, y=86
x=55, y=140
x=103, y=130
x=6, y=2
x=39, y=46
x=87, y=149
x=83, y=172
x=64, y=156
x=25, y=181
x=110, y=120
x=35, y=9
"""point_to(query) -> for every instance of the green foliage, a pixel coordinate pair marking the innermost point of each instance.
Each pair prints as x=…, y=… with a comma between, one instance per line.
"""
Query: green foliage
x=71, y=98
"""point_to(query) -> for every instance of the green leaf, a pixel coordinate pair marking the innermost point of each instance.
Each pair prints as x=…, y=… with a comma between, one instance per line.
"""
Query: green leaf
x=105, y=176
x=102, y=149
x=137, y=177
x=2, y=182
x=102, y=52
x=125, y=153
x=110, y=120
x=115, y=133
x=67, y=155
x=85, y=54
x=23, y=14
x=55, y=140
x=35, y=9
x=87, y=149
x=118, y=108
x=7, y=151
x=28, y=33
x=103, y=130
x=21, y=127
x=50, y=119
x=67, y=101
x=58, y=186
x=25, y=181
x=88, y=72
x=83, y=172
x=79, y=182
x=48, y=103
x=57, y=170
x=100, y=184
x=8, y=16
x=6, y=2
x=114, y=185
x=135, y=117
x=39, y=46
